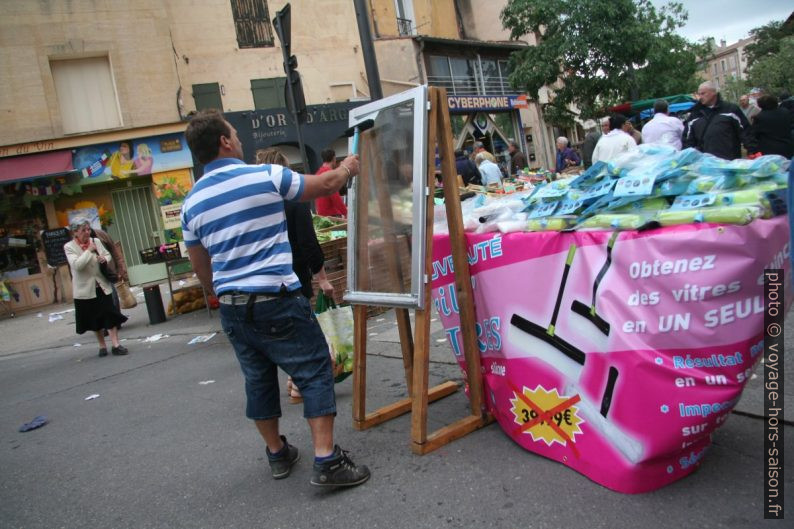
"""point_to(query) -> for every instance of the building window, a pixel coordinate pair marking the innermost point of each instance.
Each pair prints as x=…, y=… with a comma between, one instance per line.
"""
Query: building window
x=207, y=95
x=405, y=17
x=86, y=94
x=467, y=76
x=269, y=93
x=252, y=23
x=715, y=68
x=723, y=65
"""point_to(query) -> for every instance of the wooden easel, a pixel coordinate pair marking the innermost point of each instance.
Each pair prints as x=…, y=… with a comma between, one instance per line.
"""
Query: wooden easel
x=415, y=349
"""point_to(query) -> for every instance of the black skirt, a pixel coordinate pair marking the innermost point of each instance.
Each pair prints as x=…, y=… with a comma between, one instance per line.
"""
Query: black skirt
x=97, y=313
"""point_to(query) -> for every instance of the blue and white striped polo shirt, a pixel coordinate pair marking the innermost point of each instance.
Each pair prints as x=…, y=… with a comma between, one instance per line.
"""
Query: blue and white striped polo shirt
x=236, y=211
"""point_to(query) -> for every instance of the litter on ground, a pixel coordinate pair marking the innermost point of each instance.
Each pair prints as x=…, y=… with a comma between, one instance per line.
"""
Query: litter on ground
x=37, y=422
x=202, y=338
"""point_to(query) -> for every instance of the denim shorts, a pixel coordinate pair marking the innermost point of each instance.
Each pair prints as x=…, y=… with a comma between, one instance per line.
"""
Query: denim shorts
x=282, y=333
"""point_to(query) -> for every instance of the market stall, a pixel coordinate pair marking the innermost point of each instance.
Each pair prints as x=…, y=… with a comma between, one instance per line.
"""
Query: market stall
x=614, y=350
x=23, y=264
x=644, y=107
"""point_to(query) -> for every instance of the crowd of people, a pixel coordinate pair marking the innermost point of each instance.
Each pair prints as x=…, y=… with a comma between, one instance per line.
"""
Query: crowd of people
x=760, y=124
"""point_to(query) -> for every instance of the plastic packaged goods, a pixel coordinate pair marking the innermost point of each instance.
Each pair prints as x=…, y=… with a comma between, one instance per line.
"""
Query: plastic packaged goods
x=768, y=165
x=719, y=215
x=618, y=221
x=550, y=224
x=645, y=204
x=652, y=183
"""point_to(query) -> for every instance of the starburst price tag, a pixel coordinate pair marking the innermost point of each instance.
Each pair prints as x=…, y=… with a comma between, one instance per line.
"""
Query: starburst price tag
x=546, y=415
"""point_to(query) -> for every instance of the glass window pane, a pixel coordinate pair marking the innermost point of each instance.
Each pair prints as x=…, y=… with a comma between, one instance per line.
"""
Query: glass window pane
x=504, y=73
x=438, y=66
x=458, y=121
x=490, y=76
x=463, y=72
x=385, y=204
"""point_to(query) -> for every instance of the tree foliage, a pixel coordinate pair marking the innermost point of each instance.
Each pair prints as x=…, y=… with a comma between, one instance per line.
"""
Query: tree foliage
x=594, y=53
x=773, y=72
x=768, y=40
x=733, y=89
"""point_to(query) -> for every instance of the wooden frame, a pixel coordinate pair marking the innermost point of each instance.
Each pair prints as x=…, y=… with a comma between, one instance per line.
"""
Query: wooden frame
x=415, y=348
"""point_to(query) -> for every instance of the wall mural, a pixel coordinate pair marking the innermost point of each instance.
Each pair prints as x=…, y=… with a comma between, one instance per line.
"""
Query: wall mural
x=130, y=158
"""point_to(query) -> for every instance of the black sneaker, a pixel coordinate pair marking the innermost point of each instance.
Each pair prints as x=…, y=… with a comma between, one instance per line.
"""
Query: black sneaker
x=339, y=471
x=119, y=351
x=282, y=466
x=103, y=352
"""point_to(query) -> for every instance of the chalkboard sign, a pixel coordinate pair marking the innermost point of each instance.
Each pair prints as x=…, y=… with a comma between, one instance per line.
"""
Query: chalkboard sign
x=53, y=245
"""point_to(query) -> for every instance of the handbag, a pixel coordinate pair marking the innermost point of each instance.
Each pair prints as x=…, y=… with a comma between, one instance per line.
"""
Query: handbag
x=108, y=268
x=337, y=325
x=126, y=299
x=108, y=272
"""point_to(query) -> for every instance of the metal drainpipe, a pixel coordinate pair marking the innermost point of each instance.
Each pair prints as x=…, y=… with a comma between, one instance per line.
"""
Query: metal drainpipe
x=420, y=64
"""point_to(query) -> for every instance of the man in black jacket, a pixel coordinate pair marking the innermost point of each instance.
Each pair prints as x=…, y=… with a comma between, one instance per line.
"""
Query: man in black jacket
x=715, y=126
x=466, y=169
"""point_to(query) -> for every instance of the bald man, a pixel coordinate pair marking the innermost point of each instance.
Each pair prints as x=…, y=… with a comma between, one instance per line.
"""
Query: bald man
x=715, y=126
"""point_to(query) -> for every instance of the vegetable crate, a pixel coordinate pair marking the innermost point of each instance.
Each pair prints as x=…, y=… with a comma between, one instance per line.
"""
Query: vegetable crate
x=171, y=251
x=151, y=255
x=159, y=254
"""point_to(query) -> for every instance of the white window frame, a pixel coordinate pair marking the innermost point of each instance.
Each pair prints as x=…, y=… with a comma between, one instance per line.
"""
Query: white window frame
x=74, y=92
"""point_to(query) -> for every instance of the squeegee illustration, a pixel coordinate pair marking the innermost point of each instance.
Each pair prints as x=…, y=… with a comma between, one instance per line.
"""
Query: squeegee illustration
x=590, y=312
x=545, y=345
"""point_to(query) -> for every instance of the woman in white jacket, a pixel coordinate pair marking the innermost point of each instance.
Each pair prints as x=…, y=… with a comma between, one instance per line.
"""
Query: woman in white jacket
x=93, y=303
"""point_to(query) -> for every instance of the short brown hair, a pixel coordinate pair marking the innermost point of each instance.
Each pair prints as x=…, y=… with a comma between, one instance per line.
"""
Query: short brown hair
x=204, y=133
x=270, y=156
x=328, y=155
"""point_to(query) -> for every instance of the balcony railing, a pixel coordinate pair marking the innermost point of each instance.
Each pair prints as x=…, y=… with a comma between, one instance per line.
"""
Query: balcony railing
x=404, y=26
x=466, y=86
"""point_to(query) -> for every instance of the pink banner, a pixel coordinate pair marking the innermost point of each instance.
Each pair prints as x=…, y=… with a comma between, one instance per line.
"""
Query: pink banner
x=617, y=354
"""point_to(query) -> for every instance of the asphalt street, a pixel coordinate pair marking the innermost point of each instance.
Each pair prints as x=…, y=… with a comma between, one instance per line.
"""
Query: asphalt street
x=166, y=445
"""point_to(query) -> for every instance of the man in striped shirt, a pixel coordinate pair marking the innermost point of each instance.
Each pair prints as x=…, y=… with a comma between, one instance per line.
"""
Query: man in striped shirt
x=236, y=236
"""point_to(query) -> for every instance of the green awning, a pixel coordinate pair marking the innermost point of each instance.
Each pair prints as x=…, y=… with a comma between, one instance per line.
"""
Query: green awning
x=639, y=106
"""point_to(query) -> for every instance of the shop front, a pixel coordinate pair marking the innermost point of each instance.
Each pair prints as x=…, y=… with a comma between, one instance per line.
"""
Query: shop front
x=28, y=187
x=26, y=277
x=131, y=189
x=483, y=106
x=492, y=120
x=323, y=129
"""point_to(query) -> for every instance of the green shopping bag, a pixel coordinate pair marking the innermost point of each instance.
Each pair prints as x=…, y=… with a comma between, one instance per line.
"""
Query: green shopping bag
x=337, y=325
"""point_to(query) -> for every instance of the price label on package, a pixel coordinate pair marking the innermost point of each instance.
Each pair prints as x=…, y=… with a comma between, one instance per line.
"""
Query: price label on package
x=634, y=186
x=544, y=209
x=693, y=201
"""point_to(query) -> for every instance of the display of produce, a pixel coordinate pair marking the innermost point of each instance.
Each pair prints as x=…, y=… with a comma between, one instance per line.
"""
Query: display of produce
x=650, y=187
x=186, y=300
x=329, y=228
